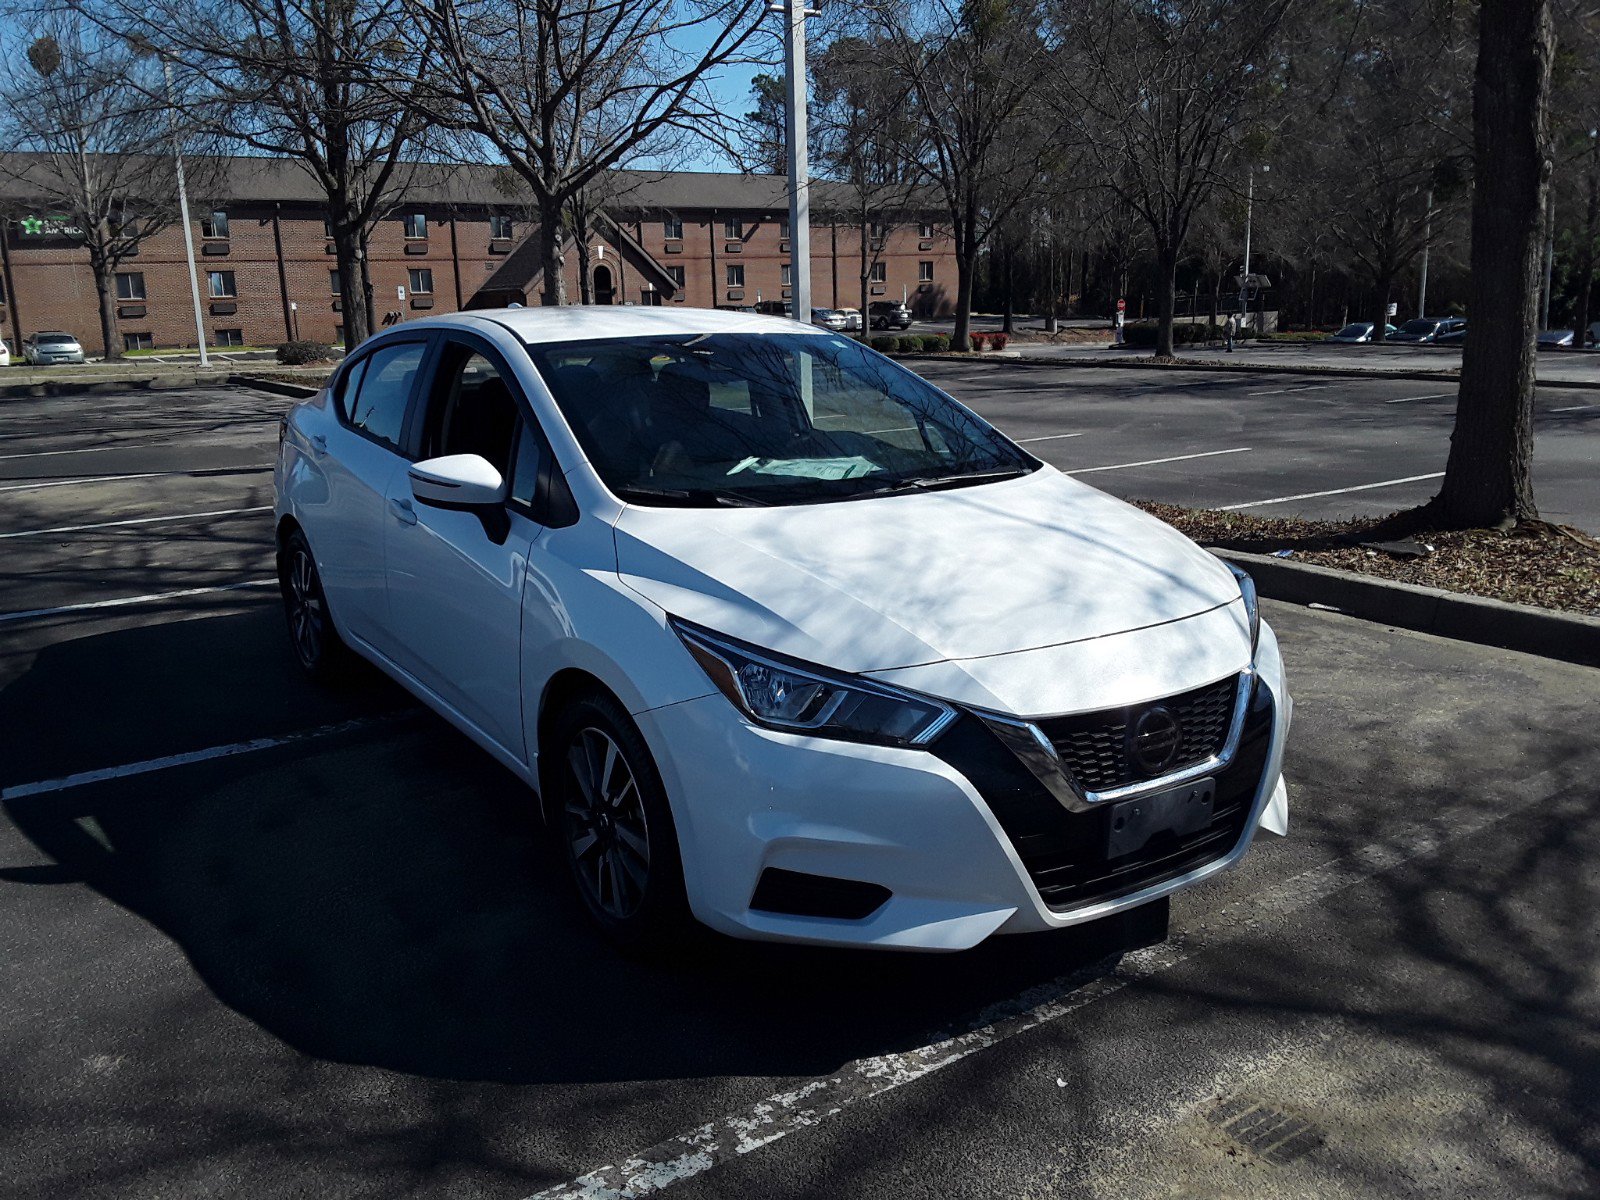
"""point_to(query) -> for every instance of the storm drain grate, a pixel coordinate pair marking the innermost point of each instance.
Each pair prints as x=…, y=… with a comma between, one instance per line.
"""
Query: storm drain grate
x=1275, y=1136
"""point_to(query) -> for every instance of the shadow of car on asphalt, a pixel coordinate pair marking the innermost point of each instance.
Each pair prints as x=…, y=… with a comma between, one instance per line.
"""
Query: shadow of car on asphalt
x=387, y=896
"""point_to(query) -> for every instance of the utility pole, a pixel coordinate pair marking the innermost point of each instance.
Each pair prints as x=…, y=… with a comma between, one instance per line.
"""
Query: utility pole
x=1427, y=238
x=1549, y=256
x=795, y=13
x=1249, y=214
x=183, y=212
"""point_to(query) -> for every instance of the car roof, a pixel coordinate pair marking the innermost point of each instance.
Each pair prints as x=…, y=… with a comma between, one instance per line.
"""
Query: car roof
x=574, y=323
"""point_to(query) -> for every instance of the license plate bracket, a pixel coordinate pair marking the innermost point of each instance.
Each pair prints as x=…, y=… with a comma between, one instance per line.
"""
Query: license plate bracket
x=1180, y=810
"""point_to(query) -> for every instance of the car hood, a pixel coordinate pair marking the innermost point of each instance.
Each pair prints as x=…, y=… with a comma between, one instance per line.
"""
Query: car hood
x=899, y=581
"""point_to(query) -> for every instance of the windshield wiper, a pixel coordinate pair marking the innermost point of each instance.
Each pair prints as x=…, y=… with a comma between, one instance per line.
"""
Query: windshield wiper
x=694, y=496
x=937, y=482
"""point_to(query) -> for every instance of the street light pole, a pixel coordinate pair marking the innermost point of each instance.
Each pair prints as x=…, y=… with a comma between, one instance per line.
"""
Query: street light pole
x=183, y=212
x=794, y=53
x=1249, y=214
x=1427, y=244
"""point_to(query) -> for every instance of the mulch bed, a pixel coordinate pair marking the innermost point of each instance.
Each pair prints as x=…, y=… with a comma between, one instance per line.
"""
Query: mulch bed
x=1536, y=563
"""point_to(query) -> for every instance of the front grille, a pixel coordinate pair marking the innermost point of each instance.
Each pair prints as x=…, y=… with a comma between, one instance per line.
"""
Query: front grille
x=1065, y=852
x=1094, y=747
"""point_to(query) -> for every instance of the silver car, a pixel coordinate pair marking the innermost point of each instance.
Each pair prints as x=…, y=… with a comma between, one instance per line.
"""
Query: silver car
x=49, y=348
x=827, y=318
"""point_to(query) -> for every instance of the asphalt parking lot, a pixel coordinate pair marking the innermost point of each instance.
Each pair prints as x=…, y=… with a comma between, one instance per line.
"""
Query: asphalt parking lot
x=262, y=939
x=1267, y=444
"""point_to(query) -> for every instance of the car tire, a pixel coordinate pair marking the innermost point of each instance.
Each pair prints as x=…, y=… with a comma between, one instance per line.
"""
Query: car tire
x=614, y=827
x=317, y=646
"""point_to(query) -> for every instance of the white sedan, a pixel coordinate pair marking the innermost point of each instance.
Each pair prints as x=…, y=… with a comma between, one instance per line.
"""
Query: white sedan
x=783, y=638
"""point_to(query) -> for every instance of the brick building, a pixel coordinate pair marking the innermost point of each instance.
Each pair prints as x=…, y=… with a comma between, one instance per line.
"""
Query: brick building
x=452, y=241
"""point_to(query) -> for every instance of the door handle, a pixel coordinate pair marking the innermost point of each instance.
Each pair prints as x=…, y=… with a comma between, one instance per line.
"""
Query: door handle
x=403, y=511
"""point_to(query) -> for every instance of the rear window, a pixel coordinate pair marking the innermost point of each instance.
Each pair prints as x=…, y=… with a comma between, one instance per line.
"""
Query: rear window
x=55, y=339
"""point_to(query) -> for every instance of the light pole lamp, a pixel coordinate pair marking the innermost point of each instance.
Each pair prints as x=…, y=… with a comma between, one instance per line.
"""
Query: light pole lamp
x=794, y=57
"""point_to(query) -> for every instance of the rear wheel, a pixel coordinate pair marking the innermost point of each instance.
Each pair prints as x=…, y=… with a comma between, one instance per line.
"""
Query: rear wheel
x=316, y=643
x=615, y=828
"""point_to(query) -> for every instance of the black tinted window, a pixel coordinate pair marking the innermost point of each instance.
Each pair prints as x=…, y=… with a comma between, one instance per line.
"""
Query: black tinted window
x=525, y=474
x=379, y=408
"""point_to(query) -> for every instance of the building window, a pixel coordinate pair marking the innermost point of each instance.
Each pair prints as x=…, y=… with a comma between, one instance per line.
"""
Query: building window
x=677, y=275
x=735, y=275
x=783, y=228
x=925, y=230
x=788, y=274
x=219, y=285
x=672, y=229
x=327, y=228
x=499, y=227
x=416, y=226
x=421, y=281
x=214, y=226
x=230, y=337
x=924, y=272
x=733, y=228
x=338, y=335
x=878, y=231
x=137, y=341
x=130, y=285
x=333, y=283
x=880, y=272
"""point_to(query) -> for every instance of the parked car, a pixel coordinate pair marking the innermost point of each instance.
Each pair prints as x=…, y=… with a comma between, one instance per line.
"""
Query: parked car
x=1452, y=337
x=1360, y=332
x=1427, y=329
x=852, y=319
x=773, y=308
x=828, y=318
x=654, y=561
x=889, y=314
x=5, y=354
x=49, y=348
x=1551, y=339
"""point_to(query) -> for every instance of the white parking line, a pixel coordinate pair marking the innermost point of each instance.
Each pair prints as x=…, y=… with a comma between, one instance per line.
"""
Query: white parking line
x=81, y=450
x=220, y=512
x=697, y=1151
x=1409, y=399
x=1151, y=462
x=1049, y=437
x=83, y=778
x=1576, y=408
x=1309, y=387
x=1360, y=487
x=23, y=487
x=125, y=601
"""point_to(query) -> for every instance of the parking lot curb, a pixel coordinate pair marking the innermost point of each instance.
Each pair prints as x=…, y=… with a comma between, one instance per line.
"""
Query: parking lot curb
x=154, y=382
x=1183, y=364
x=1564, y=636
x=278, y=387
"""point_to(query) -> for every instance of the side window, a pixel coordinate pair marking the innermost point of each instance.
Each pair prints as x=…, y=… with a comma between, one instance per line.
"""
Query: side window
x=349, y=385
x=525, y=473
x=379, y=407
x=471, y=409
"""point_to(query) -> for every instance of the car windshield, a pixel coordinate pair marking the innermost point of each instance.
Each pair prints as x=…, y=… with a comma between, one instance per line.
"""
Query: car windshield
x=1354, y=331
x=734, y=419
x=1418, y=326
x=56, y=339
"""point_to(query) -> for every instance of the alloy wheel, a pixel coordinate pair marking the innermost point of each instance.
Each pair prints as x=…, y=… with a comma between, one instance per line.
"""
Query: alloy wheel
x=607, y=833
x=307, y=614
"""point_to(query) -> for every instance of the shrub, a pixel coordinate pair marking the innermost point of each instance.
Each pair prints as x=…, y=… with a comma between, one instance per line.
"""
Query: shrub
x=935, y=343
x=885, y=345
x=997, y=341
x=977, y=340
x=298, y=354
x=1143, y=333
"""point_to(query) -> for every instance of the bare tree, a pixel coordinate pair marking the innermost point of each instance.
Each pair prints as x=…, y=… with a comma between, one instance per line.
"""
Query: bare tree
x=312, y=81
x=1488, y=477
x=564, y=90
x=1160, y=93
x=968, y=72
x=99, y=148
x=764, y=138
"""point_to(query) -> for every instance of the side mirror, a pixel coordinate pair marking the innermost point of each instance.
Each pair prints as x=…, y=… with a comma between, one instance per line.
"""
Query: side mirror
x=461, y=481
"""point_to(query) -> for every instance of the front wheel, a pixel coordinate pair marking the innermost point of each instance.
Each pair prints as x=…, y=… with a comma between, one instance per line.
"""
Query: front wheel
x=316, y=643
x=615, y=827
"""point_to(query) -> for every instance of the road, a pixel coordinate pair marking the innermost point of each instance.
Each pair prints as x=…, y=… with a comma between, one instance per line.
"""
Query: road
x=1270, y=445
x=261, y=939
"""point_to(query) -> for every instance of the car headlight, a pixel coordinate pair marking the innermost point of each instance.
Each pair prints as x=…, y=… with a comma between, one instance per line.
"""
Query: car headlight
x=797, y=697
x=1252, y=605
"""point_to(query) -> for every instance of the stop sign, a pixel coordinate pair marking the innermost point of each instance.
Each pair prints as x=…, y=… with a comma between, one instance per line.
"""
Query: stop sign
x=1122, y=306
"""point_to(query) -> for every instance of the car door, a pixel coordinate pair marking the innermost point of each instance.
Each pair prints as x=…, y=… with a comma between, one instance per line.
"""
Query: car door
x=455, y=578
x=362, y=455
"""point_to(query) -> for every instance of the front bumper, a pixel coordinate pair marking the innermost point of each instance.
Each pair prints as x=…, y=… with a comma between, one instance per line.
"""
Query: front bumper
x=747, y=800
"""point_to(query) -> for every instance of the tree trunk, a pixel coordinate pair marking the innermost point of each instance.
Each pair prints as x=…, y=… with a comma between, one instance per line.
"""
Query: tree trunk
x=966, y=268
x=1591, y=228
x=1166, y=293
x=1008, y=327
x=1380, y=323
x=105, y=293
x=352, y=290
x=555, y=287
x=1488, y=478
